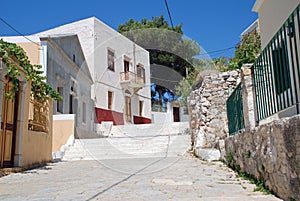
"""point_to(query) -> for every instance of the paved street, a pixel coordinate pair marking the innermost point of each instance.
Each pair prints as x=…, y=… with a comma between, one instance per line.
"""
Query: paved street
x=154, y=177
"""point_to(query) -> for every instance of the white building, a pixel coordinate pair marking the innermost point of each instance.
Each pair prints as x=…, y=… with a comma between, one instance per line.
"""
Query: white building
x=254, y=27
x=120, y=70
x=276, y=69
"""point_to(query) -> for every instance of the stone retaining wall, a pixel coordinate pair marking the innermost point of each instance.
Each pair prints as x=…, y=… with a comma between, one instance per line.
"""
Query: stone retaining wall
x=270, y=152
x=208, y=117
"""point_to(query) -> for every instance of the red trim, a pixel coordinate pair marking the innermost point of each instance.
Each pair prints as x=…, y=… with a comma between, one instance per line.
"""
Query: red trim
x=108, y=115
x=141, y=120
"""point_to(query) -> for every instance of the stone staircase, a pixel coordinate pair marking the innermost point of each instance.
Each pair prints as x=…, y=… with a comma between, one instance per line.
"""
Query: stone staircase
x=131, y=141
x=141, y=130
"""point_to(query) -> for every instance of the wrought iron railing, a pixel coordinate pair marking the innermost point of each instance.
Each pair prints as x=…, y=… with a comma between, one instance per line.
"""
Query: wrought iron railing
x=235, y=114
x=133, y=77
x=276, y=72
x=39, y=117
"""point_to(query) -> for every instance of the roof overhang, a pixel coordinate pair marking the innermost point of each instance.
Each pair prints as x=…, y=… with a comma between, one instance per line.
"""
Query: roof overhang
x=257, y=5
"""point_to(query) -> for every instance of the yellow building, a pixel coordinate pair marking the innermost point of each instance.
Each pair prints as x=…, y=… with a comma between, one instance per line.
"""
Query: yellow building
x=26, y=125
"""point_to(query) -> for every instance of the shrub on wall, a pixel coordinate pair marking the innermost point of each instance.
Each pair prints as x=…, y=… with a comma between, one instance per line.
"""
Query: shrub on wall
x=13, y=56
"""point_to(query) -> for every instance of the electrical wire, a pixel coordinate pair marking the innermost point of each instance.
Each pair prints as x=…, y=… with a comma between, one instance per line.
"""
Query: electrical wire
x=201, y=54
x=169, y=13
x=10, y=26
x=217, y=51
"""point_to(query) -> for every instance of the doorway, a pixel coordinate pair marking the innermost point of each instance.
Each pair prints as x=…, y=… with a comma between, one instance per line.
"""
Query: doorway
x=128, y=109
x=8, y=127
x=176, y=114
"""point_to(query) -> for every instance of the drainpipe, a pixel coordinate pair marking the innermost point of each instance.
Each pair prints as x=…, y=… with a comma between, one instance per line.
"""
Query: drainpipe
x=134, y=59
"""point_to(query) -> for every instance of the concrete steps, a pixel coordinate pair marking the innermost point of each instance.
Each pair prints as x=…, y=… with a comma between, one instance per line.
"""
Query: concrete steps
x=135, y=130
x=135, y=144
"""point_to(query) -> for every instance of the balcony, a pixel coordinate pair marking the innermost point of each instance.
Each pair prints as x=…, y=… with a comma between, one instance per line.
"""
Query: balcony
x=131, y=80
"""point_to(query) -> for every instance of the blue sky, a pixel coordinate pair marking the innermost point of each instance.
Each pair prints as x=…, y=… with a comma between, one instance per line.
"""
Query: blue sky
x=214, y=24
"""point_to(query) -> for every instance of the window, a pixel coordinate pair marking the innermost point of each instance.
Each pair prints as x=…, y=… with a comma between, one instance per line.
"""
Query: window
x=281, y=68
x=111, y=60
x=141, y=105
x=110, y=100
x=59, y=106
x=141, y=72
x=71, y=103
x=74, y=59
x=83, y=112
x=73, y=97
x=126, y=66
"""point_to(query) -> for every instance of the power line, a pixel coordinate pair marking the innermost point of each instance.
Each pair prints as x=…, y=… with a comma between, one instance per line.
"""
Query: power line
x=169, y=13
x=217, y=51
x=10, y=26
x=207, y=53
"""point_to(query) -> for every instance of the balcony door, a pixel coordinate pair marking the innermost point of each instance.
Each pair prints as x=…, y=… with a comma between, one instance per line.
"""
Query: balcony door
x=126, y=66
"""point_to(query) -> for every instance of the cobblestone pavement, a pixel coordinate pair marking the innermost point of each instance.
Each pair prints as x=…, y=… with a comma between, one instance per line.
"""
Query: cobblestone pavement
x=158, y=179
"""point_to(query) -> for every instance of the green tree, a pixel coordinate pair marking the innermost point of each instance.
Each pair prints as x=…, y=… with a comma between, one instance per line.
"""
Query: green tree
x=246, y=51
x=166, y=44
x=220, y=63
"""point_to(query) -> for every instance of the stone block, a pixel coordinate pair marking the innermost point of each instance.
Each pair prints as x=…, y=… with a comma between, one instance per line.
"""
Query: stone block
x=208, y=154
x=206, y=95
x=246, y=71
x=193, y=102
x=215, y=82
x=225, y=75
x=231, y=79
x=234, y=73
x=206, y=104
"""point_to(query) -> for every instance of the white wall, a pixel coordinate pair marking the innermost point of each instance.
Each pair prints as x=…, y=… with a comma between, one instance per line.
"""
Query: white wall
x=163, y=117
x=95, y=38
x=107, y=38
x=272, y=14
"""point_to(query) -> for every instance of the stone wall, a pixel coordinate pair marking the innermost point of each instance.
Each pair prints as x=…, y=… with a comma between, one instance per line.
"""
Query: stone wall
x=270, y=152
x=207, y=109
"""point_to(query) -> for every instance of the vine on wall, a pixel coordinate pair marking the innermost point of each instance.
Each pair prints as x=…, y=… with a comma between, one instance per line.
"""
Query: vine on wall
x=13, y=55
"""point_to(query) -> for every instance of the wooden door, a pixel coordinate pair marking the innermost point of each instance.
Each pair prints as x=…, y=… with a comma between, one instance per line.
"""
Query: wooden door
x=127, y=109
x=176, y=114
x=7, y=132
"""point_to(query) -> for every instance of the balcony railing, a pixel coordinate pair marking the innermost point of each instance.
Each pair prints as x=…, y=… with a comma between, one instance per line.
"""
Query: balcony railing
x=276, y=72
x=131, y=79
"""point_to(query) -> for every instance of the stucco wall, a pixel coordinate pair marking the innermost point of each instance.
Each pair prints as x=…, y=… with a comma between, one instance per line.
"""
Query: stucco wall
x=270, y=152
x=272, y=14
x=32, y=51
x=37, y=148
x=33, y=147
x=62, y=71
x=63, y=129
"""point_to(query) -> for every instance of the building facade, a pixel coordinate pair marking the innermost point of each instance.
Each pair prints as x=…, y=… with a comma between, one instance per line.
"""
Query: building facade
x=120, y=70
x=276, y=70
x=26, y=132
x=63, y=63
x=272, y=14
